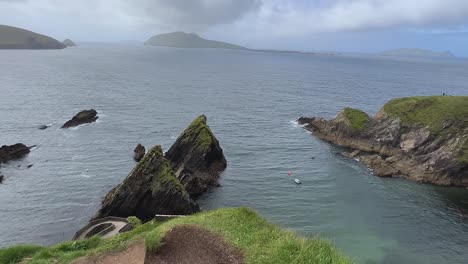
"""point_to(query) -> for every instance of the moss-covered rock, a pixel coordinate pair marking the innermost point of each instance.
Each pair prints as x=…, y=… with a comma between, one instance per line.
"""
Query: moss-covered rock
x=356, y=119
x=197, y=157
x=151, y=188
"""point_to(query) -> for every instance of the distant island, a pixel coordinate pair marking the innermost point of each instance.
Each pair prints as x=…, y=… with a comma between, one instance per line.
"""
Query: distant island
x=420, y=53
x=188, y=40
x=17, y=38
x=69, y=43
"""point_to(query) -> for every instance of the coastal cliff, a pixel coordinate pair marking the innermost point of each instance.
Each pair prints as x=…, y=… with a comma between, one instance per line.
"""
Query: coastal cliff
x=424, y=139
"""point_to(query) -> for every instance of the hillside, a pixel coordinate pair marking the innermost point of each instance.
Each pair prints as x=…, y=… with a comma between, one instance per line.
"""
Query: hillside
x=420, y=53
x=17, y=38
x=188, y=40
x=242, y=229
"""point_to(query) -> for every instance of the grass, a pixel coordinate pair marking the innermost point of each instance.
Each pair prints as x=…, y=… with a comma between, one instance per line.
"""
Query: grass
x=358, y=119
x=430, y=111
x=198, y=132
x=260, y=241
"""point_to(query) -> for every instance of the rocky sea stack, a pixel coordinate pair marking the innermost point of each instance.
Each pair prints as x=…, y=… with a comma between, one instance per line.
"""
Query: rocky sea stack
x=197, y=158
x=424, y=139
x=83, y=117
x=164, y=184
x=69, y=43
x=139, y=152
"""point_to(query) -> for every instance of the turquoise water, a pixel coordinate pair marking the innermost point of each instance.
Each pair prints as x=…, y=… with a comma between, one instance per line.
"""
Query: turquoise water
x=149, y=95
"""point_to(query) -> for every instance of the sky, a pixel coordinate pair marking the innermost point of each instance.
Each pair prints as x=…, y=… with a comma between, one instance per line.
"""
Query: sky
x=306, y=25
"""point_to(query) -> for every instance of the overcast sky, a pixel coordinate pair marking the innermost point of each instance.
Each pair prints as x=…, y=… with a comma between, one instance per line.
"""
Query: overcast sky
x=334, y=25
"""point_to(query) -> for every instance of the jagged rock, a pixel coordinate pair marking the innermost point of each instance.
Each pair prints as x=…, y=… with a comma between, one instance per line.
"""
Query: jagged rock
x=424, y=139
x=83, y=117
x=1, y=178
x=197, y=158
x=16, y=151
x=139, y=152
x=151, y=188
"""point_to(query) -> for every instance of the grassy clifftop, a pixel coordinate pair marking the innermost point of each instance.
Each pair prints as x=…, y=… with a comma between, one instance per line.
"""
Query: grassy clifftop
x=430, y=111
x=260, y=241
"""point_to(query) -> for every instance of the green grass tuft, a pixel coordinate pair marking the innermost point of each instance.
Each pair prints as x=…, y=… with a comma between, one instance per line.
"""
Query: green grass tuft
x=430, y=111
x=358, y=120
x=260, y=241
x=16, y=254
x=199, y=133
x=134, y=221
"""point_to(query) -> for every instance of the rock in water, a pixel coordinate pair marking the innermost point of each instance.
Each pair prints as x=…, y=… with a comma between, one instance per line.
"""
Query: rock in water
x=2, y=178
x=424, y=139
x=197, y=158
x=13, y=152
x=151, y=188
x=139, y=152
x=83, y=117
x=69, y=43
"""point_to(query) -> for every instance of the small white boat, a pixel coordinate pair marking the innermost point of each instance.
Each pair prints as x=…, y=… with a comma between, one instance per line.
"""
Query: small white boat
x=297, y=181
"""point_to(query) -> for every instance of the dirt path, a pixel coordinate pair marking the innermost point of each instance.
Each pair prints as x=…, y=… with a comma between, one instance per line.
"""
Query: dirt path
x=135, y=254
x=194, y=245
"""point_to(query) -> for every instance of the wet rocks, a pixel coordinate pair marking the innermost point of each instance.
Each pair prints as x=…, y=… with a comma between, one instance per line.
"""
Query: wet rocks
x=43, y=127
x=197, y=158
x=1, y=179
x=83, y=117
x=139, y=152
x=12, y=152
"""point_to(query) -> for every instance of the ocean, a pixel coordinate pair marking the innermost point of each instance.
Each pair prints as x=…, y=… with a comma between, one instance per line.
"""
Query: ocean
x=149, y=95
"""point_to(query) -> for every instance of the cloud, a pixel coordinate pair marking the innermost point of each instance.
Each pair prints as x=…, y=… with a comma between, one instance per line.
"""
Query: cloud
x=249, y=18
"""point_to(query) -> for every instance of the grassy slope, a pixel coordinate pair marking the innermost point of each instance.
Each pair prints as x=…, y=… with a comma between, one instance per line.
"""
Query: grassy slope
x=357, y=119
x=260, y=241
x=432, y=111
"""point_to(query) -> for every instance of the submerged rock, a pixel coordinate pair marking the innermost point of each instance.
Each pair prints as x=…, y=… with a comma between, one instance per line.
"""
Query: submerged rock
x=197, y=157
x=83, y=117
x=424, y=139
x=16, y=151
x=43, y=127
x=151, y=188
x=139, y=152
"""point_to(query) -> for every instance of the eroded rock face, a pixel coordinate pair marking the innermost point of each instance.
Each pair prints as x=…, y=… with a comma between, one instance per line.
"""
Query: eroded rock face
x=393, y=149
x=197, y=158
x=16, y=151
x=151, y=188
x=83, y=117
x=139, y=152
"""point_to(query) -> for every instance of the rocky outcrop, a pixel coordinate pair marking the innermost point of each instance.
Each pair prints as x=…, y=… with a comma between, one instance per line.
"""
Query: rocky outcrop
x=16, y=151
x=83, y=117
x=1, y=178
x=139, y=152
x=151, y=188
x=197, y=158
x=424, y=139
x=69, y=43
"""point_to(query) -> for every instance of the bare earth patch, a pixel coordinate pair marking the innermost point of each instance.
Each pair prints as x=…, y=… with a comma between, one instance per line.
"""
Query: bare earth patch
x=194, y=245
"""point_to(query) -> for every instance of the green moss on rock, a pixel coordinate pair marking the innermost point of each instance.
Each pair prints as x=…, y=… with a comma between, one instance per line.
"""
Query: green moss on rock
x=430, y=111
x=357, y=119
x=198, y=132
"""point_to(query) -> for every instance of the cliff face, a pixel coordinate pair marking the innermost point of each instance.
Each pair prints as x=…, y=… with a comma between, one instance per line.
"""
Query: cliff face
x=197, y=158
x=424, y=139
x=151, y=188
x=17, y=38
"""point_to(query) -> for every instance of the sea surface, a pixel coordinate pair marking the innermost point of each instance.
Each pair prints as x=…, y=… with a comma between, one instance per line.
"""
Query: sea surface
x=149, y=95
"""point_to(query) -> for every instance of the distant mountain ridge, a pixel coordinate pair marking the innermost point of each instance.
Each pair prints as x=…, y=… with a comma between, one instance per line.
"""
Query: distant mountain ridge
x=18, y=38
x=188, y=40
x=413, y=52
